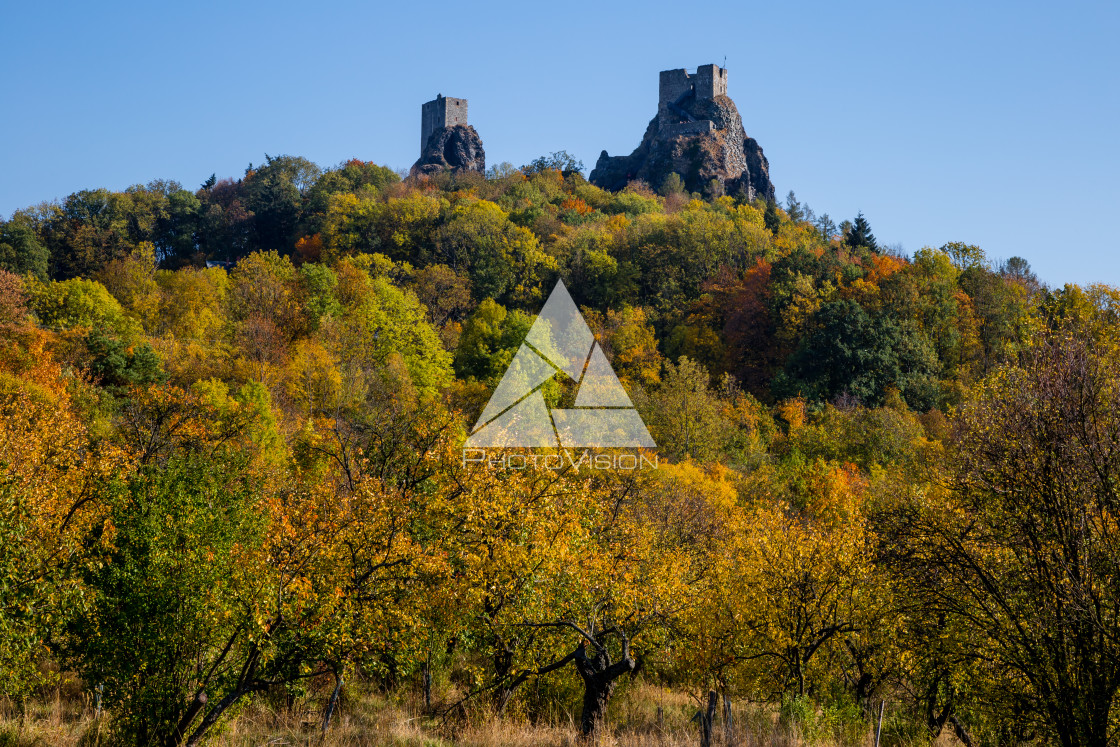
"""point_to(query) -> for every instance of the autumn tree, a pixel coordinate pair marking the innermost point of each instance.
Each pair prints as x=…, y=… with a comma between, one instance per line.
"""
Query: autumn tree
x=352, y=177
x=400, y=227
x=806, y=568
x=627, y=338
x=193, y=303
x=566, y=571
x=132, y=281
x=52, y=469
x=1022, y=550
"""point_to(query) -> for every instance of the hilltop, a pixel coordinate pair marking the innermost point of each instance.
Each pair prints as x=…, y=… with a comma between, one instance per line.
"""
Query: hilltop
x=696, y=134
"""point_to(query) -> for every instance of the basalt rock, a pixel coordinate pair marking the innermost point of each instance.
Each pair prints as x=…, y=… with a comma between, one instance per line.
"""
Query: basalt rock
x=454, y=148
x=701, y=139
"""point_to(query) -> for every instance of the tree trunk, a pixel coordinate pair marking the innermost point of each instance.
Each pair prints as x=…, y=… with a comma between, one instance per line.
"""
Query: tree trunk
x=799, y=670
x=501, y=700
x=503, y=662
x=961, y=732
x=191, y=713
x=707, y=718
x=596, y=695
x=728, y=722
x=332, y=703
x=212, y=717
x=427, y=675
x=599, y=674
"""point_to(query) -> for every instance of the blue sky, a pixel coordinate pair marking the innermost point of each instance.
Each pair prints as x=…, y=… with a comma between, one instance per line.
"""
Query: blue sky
x=994, y=124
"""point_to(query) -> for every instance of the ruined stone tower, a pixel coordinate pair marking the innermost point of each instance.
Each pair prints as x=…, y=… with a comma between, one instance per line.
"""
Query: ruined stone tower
x=440, y=112
x=447, y=142
x=696, y=134
x=707, y=82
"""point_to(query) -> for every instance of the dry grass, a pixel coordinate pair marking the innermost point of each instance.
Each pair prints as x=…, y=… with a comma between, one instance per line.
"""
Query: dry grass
x=641, y=716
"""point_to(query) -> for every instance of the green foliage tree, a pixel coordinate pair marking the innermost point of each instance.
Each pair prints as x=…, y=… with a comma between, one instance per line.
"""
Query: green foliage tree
x=117, y=365
x=684, y=414
x=561, y=161
x=826, y=227
x=319, y=286
x=79, y=303
x=274, y=194
x=83, y=233
x=794, y=209
x=1019, y=270
x=176, y=232
x=1001, y=309
x=965, y=255
x=21, y=252
x=225, y=223
x=504, y=261
x=773, y=220
x=169, y=582
x=672, y=185
x=491, y=336
x=853, y=353
x=388, y=321
x=353, y=177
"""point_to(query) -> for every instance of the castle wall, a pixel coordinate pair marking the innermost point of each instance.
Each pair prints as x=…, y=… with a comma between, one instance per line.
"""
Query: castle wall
x=687, y=128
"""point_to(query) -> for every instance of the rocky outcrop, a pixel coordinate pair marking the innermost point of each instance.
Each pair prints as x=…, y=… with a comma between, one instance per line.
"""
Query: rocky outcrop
x=700, y=139
x=455, y=148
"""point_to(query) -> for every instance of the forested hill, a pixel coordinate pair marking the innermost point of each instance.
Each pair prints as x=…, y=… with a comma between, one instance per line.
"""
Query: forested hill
x=233, y=483
x=785, y=301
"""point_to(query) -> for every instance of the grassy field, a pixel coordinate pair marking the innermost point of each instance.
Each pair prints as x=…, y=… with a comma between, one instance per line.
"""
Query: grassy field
x=641, y=715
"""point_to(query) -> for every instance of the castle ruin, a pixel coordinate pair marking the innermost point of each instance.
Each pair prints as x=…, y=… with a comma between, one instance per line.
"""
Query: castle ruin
x=677, y=86
x=697, y=134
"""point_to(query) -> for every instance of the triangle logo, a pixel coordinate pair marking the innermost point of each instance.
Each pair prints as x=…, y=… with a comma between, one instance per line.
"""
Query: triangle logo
x=559, y=343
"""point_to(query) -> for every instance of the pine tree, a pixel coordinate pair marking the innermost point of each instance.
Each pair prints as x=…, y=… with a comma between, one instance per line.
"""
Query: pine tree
x=826, y=226
x=860, y=234
x=793, y=208
x=772, y=219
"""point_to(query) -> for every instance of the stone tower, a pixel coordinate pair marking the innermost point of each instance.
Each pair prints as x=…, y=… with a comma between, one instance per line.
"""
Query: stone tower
x=447, y=142
x=440, y=112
